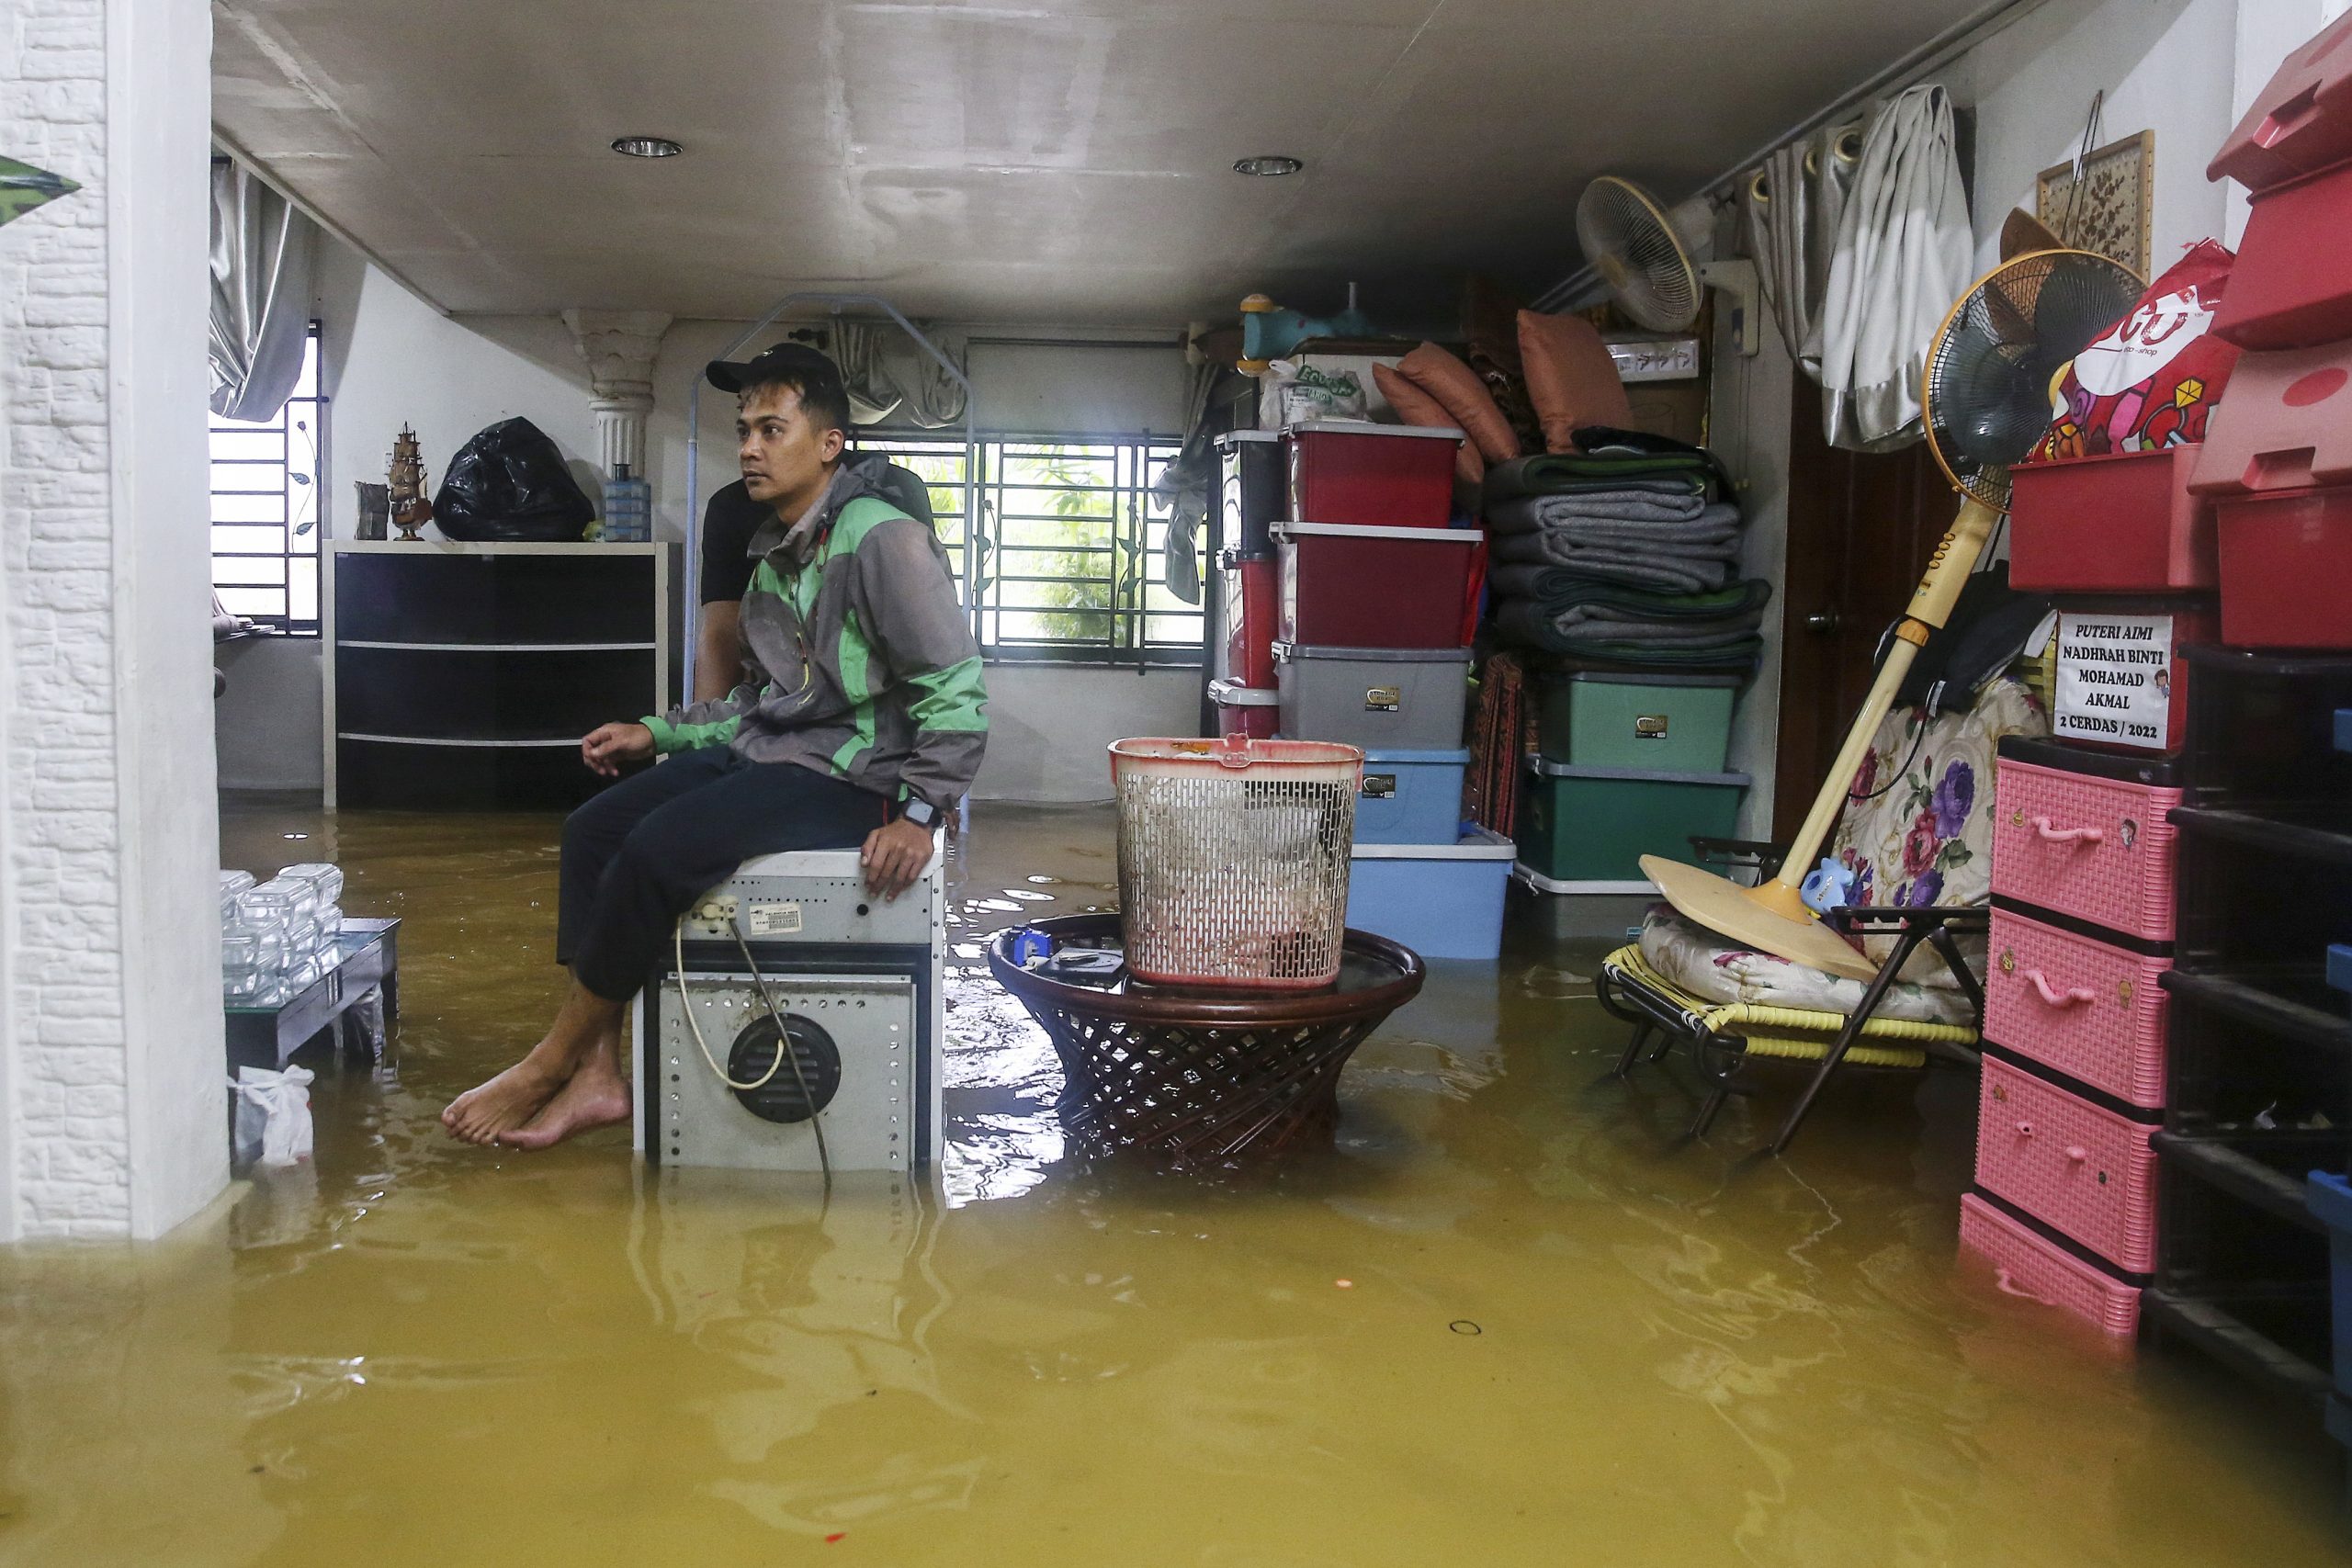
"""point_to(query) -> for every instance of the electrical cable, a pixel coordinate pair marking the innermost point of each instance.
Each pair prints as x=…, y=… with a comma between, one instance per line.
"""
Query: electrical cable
x=785, y=1053
x=686, y=1005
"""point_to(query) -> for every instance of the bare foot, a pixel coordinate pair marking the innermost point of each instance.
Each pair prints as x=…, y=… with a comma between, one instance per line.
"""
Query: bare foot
x=597, y=1096
x=491, y=1112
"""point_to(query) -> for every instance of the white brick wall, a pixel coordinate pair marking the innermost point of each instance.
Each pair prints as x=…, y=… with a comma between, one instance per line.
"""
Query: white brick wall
x=69, y=1078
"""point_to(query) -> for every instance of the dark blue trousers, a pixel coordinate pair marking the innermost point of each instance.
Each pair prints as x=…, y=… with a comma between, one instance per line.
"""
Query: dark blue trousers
x=637, y=856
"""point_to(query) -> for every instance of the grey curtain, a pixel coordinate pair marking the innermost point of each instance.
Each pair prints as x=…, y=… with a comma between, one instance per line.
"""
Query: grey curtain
x=885, y=374
x=1792, y=206
x=261, y=294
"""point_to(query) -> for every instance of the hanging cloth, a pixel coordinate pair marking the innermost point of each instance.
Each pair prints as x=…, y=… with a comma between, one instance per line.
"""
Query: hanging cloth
x=1792, y=205
x=261, y=294
x=1902, y=257
x=1183, y=485
x=881, y=383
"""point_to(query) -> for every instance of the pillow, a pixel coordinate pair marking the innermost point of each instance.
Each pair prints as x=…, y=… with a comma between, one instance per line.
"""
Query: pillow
x=1457, y=388
x=1570, y=378
x=1414, y=406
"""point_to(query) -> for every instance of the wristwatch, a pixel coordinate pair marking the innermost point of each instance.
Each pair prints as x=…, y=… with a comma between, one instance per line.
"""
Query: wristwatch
x=920, y=812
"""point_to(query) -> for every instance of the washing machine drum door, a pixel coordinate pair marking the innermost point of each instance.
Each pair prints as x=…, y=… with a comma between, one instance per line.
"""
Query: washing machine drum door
x=787, y=1095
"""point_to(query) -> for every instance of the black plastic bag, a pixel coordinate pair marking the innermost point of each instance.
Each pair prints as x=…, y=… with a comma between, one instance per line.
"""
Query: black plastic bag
x=509, y=483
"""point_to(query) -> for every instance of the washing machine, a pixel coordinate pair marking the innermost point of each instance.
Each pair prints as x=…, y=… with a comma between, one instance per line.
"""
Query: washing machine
x=796, y=1024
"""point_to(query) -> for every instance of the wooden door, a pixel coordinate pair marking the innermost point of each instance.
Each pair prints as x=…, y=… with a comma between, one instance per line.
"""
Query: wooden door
x=1861, y=528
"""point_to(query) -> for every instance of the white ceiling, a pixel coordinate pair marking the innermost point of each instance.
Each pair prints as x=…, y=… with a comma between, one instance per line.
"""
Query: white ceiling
x=1061, y=161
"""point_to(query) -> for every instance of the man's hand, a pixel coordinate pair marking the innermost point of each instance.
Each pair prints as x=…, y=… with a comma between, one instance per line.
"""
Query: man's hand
x=893, y=857
x=608, y=746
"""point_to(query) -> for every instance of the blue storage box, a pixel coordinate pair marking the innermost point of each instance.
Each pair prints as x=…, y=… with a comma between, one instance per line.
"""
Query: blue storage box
x=2330, y=1197
x=1442, y=900
x=1411, y=797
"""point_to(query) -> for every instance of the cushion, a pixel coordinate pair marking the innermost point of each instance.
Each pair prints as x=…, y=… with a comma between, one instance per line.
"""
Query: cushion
x=1463, y=397
x=1570, y=378
x=1414, y=406
x=1714, y=967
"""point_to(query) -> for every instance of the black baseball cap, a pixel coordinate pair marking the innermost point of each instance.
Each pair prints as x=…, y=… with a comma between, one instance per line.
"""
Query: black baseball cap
x=815, y=374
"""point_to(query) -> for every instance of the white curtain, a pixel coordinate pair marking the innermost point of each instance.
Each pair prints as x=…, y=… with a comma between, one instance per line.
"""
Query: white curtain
x=1902, y=259
x=1793, y=205
x=886, y=373
x=261, y=294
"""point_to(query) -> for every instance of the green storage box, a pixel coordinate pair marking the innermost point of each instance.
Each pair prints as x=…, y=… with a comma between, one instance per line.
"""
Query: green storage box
x=1667, y=724
x=1595, y=824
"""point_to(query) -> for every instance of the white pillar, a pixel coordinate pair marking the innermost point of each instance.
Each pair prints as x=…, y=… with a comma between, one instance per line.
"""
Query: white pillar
x=111, y=1060
x=619, y=346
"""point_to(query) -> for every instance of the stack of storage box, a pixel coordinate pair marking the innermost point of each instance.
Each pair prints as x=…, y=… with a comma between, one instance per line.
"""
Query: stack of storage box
x=1629, y=765
x=2075, y=1012
x=2278, y=455
x=1376, y=592
x=2259, y=1082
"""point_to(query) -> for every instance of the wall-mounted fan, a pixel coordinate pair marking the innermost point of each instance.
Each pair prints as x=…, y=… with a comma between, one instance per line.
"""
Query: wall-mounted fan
x=1656, y=261
x=1987, y=398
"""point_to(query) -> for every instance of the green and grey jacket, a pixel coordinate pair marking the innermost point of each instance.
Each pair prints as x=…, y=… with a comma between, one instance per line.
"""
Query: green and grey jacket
x=864, y=665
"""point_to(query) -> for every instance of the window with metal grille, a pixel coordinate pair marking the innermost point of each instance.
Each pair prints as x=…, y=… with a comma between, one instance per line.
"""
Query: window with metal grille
x=1065, y=555
x=268, y=508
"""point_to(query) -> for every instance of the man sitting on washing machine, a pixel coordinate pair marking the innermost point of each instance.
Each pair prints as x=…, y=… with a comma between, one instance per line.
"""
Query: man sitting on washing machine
x=861, y=725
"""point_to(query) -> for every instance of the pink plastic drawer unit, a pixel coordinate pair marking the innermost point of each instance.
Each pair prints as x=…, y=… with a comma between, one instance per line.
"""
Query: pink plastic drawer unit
x=2033, y=1267
x=2081, y=835
x=2075, y=1167
x=2091, y=1011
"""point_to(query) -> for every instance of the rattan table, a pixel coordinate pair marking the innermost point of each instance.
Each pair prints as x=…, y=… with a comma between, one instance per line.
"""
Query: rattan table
x=1191, y=1075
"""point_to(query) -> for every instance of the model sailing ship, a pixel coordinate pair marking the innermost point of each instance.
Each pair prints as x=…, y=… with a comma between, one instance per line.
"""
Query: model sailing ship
x=405, y=479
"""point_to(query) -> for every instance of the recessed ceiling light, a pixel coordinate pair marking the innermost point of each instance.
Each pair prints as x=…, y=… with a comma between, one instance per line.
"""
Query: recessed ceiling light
x=1269, y=165
x=646, y=147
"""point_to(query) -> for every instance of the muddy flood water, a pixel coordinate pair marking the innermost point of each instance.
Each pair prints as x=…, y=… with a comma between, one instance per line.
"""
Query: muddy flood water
x=1509, y=1319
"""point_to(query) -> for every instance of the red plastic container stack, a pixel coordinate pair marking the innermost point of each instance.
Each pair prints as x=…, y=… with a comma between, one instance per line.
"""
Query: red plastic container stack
x=2278, y=460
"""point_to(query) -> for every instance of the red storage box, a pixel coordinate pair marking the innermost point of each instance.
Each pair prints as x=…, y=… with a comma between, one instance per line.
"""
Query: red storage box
x=2119, y=522
x=2286, y=424
x=1388, y=476
x=2287, y=570
x=2302, y=120
x=1245, y=710
x=2290, y=287
x=1252, y=605
x=2078, y=1167
x=2032, y=1265
x=2122, y=682
x=1348, y=587
x=2085, y=834
x=2089, y=1009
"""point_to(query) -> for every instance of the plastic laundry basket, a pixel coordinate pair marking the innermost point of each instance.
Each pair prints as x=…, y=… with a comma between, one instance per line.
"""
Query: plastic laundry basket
x=1233, y=859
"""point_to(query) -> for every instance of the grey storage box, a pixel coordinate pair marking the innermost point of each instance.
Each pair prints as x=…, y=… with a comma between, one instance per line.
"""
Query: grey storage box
x=1395, y=698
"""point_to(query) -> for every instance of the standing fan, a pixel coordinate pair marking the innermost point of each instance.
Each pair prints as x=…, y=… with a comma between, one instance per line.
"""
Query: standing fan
x=1988, y=397
x=1655, y=262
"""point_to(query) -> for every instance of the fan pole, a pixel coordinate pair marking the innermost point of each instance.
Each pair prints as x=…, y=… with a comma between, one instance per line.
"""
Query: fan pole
x=1771, y=916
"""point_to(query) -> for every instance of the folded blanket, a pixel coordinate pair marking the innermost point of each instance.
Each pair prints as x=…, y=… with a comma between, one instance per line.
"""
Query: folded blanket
x=1692, y=567
x=1528, y=512
x=1554, y=473
x=1559, y=590
x=1627, y=509
x=1587, y=624
x=1522, y=624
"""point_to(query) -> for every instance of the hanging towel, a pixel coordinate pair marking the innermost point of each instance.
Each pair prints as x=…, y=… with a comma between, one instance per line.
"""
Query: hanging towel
x=1902, y=259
